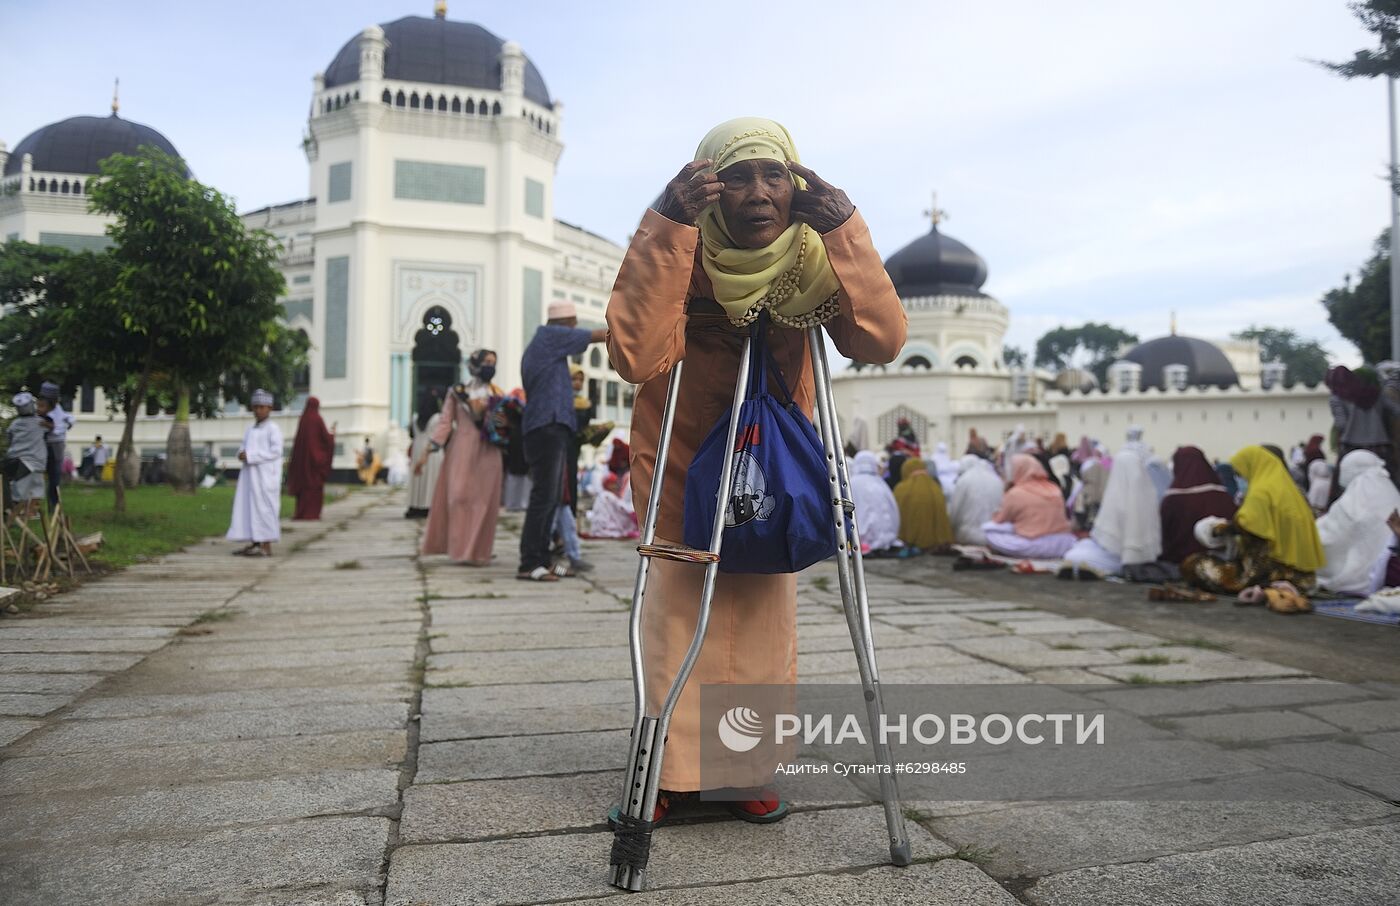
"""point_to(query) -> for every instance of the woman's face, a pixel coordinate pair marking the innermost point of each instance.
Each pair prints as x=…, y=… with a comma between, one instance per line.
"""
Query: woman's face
x=490, y=359
x=756, y=201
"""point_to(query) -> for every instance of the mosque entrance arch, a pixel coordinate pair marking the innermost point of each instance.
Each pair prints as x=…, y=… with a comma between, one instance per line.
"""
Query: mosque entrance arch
x=437, y=356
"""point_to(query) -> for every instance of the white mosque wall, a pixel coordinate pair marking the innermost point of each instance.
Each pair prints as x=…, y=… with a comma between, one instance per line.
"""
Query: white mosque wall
x=950, y=403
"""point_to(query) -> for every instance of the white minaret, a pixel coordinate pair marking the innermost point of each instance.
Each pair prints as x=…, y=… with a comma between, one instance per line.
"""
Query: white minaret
x=512, y=75
x=372, y=46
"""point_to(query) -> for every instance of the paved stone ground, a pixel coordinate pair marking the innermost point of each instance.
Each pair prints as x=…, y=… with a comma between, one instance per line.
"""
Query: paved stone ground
x=347, y=725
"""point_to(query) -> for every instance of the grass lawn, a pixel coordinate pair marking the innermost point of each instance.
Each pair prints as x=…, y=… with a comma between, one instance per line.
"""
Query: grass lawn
x=157, y=520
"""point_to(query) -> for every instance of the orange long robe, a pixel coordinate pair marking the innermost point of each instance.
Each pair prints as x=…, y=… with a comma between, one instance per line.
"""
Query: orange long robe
x=662, y=311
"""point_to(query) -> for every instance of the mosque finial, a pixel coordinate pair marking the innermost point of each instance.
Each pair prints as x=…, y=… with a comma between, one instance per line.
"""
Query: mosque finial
x=935, y=213
x=1173, y=322
x=440, y=9
x=116, y=83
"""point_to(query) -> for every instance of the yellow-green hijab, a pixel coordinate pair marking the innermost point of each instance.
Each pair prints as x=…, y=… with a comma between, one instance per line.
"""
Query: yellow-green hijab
x=792, y=278
x=1274, y=509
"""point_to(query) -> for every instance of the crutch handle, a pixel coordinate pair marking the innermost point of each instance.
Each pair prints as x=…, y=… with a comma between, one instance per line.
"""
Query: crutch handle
x=677, y=554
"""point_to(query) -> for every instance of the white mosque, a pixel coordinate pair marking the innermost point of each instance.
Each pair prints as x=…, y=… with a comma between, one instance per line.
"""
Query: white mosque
x=950, y=377
x=428, y=231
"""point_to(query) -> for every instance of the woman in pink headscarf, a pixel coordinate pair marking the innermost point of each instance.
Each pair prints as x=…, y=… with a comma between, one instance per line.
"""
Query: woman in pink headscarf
x=1031, y=522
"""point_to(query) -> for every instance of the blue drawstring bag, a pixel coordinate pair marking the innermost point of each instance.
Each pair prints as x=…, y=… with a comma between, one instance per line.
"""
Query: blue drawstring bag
x=778, y=517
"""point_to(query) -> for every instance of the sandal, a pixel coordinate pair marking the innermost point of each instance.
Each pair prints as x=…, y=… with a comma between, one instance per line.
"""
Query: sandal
x=1174, y=592
x=768, y=808
x=1283, y=597
x=1254, y=594
x=538, y=574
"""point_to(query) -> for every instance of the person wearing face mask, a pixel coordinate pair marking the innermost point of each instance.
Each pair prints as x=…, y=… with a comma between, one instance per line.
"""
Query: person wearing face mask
x=467, y=499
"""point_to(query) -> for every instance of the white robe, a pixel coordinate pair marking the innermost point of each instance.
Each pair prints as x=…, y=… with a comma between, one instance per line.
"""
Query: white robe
x=877, y=512
x=422, y=485
x=944, y=468
x=257, y=501
x=1129, y=524
x=1354, y=532
x=976, y=496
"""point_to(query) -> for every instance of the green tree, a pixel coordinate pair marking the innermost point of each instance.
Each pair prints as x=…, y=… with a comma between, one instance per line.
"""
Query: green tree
x=1013, y=356
x=1091, y=346
x=1382, y=19
x=1306, y=359
x=1361, y=311
x=193, y=289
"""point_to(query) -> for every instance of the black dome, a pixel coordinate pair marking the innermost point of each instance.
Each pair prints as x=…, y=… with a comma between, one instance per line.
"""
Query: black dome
x=78, y=144
x=1208, y=365
x=936, y=265
x=439, y=52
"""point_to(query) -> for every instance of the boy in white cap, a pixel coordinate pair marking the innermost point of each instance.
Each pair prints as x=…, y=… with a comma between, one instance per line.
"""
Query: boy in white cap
x=257, y=501
x=549, y=423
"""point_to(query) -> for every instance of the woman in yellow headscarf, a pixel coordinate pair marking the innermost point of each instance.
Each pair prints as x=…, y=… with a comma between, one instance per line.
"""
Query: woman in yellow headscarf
x=923, y=513
x=742, y=229
x=1273, y=537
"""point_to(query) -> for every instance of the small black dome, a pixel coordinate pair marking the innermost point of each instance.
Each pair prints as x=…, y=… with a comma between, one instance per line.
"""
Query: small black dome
x=1208, y=366
x=439, y=52
x=78, y=144
x=936, y=265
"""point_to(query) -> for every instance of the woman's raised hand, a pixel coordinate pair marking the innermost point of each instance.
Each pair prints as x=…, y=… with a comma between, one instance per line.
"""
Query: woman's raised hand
x=821, y=205
x=694, y=189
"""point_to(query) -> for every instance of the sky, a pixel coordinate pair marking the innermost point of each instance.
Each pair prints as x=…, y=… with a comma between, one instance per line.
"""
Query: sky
x=1111, y=161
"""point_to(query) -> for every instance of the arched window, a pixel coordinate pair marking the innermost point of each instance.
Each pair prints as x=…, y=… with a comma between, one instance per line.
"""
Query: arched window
x=918, y=361
x=456, y=105
x=496, y=109
x=386, y=97
x=64, y=190
x=442, y=103
x=357, y=94
x=595, y=358
x=77, y=187
x=471, y=106
x=43, y=185
x=337, y=103
x=965, y=361
x=413, y=100
x=301, y=381
x=399, y=99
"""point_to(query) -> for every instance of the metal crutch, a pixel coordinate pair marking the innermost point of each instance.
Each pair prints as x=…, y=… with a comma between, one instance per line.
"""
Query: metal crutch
x=631, y=846
x=850, y=570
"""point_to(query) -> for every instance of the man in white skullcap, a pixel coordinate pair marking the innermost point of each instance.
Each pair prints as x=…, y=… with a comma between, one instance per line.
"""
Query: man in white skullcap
x=549, y=422
x=257, y=501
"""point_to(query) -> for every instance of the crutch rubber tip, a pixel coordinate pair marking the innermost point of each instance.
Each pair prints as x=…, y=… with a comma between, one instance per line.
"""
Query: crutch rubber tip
x=900, y=855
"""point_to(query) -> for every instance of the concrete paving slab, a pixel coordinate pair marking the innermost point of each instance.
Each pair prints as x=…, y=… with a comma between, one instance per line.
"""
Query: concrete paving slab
x=1024, y=653
x=1383, y=742
x=119, y=769
x=443, y=639
x=180, y=811
x=1361, y=717
x=437, y=726
x=1250, y=725
x=945, y=882
x=1353, y=764
x=1206, y=698
x=14, y=728
x=1341, y=868
x=221, y=863
x=254, y=723
x=54, y=628
x=24, y=704
x=76, y=645
x=487, y=699
x=152, y=705
x=1029, y=840
x=443, y=812
x=559, y=665
x=67, y=663
x=522, y=756
x=574, y=865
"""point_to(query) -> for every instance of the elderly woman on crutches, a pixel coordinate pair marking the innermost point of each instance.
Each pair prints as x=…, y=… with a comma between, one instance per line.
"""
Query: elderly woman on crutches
x=743, y=230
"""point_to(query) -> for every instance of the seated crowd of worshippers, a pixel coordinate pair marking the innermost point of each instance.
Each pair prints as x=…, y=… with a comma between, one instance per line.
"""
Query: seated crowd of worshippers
x=1267, y=527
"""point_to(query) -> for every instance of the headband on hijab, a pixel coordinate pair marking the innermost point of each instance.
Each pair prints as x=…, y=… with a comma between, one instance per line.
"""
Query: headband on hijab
x=791, y=278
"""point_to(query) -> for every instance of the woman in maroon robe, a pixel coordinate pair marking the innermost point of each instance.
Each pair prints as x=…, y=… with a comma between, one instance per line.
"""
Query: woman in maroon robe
x=1196, y=493
x=312, y=452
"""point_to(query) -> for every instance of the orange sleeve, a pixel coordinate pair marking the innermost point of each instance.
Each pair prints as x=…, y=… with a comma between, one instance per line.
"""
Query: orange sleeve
x=872, y=326
x=646, y=312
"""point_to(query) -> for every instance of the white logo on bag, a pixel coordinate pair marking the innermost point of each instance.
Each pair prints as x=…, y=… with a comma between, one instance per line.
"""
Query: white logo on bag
x=750, y=499
x=740, y=729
